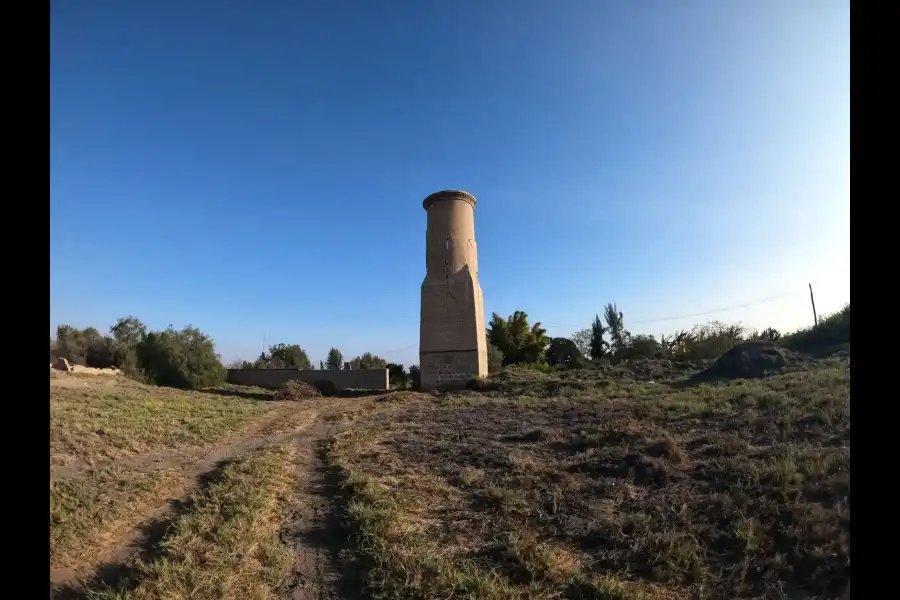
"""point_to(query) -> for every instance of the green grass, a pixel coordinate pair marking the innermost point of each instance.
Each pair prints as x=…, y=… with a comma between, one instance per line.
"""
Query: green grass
x=82, y=508
x=102, y=419
x=587, y=487
x=112, y=430
x=227, y=544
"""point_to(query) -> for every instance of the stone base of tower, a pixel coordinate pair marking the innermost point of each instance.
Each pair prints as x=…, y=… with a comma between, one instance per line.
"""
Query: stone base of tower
x=451, y=369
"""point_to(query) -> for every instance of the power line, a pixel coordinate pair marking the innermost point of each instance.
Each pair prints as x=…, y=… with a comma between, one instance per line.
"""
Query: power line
x=659, y=319
x=718, y=310
x=699, y=314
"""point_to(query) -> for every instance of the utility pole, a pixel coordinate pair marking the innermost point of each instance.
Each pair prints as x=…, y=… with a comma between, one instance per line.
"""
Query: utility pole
x=812, y=300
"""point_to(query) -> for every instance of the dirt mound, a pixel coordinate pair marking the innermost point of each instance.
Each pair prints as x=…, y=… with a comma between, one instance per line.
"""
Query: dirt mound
x=751, y=359
x=292, y=391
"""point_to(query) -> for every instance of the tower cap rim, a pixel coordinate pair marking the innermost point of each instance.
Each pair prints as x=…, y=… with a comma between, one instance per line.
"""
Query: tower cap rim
x=448, y=195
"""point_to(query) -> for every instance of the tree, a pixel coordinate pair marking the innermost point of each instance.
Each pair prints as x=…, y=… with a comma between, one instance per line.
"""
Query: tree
x=288, y=356
x=335, y=360
x=100, y=353
x=84, y=347
x=262, y=361
x=127, y=333
x=70, y=344
x=415, y=377
x=519, y=342
x=563, y=351
x=643, y=346
x=582, y=339
x=368, y=361
x=183, y=359
x=615, y=325
x=397, y=374
x=769, y=334
x=495, y=358
x=597, y=346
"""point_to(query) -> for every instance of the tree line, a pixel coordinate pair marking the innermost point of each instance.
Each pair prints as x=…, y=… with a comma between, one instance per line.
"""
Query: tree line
x=514, y=341
x=186, y=358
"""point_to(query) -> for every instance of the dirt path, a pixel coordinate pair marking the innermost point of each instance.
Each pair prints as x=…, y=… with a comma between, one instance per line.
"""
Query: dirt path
x=147, y=524
x=313, y=527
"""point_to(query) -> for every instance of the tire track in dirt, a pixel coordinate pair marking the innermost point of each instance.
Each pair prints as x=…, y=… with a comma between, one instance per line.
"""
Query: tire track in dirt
x=313, y=528
x=129, y=536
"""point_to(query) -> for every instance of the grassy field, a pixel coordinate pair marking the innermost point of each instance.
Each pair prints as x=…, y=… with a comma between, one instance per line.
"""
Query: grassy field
x=621, y=484
x=227, y=544
x=116, y=445
x=598, y=488
x=95, y=418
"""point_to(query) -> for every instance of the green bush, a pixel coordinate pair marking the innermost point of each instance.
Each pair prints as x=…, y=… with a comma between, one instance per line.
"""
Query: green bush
x=563, y=351
x=832, y=331
x=703, y=341
x=398, y=376
x=519, y=341
x=415, y=377
x=539, y=367
x=495, y=358
x=182, y=359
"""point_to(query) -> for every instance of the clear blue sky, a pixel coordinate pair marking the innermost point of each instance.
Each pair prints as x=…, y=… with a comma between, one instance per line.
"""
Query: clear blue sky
x=258, y=168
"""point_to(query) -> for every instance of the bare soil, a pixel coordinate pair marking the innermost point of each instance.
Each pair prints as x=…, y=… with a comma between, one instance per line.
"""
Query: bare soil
x=312, y=527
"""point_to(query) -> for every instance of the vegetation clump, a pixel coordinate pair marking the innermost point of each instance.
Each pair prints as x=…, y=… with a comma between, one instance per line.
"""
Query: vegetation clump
x=293, y=391
x=751, y=359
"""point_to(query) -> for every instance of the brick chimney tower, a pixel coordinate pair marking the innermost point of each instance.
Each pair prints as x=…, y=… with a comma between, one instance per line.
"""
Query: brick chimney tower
x=452, y=338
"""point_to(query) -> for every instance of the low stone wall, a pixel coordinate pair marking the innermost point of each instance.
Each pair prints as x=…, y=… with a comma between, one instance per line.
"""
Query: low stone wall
x=358, y=379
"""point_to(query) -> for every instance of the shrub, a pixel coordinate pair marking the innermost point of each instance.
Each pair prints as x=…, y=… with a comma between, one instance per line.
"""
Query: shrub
x=326, y=387
x=292, y=391
x=703, y=341
x=495, y=358
x=398, y=376
x=519, y=341
x=482, y=384
x=832, y=331
x=770, y=334
x=182, y=359
x=563, y=351
x=539, y=367
x=642, y=346
x=100, y=353
x=415, y=377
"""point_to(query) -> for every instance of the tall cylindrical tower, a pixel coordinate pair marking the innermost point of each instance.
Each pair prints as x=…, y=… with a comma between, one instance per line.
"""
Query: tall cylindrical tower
x=452, y=342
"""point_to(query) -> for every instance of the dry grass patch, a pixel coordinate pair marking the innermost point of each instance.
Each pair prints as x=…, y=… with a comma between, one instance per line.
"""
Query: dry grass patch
x=83, y=508
x=91, y=507
x=228, y=544
x=627, y=489
x=94, y=422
